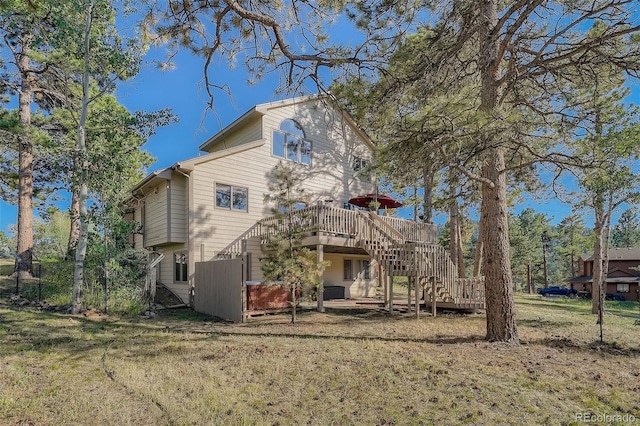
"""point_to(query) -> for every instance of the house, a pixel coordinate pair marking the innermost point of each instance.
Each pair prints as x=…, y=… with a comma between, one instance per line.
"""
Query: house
x=623, y=276
x=201, y=211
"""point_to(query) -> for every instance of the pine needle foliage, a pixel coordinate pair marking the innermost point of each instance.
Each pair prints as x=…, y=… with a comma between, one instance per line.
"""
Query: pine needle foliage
x=288, y=263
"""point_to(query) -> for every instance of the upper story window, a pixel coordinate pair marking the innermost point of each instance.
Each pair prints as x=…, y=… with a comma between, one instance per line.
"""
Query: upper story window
x=289, y=142
x=232, y=197
x=359, y=164
x=361, y=167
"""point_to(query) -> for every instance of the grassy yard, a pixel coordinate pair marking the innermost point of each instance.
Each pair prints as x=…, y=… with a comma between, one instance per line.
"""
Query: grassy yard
x=346, y=366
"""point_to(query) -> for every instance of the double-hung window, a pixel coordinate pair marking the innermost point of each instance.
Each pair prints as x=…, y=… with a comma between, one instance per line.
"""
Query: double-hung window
x=289, y=142
x=232, y=197
x=347, y=270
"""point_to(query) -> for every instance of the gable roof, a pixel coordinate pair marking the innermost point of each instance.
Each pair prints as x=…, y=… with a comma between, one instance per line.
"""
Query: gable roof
x=262, y=109
x=621, y=253
x=155, y=177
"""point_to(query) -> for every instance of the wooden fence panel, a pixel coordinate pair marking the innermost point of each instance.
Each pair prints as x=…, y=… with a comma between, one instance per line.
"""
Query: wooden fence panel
x=219, y=288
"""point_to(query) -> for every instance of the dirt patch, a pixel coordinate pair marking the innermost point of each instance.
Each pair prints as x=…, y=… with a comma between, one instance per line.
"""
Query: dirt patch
x=165, y=297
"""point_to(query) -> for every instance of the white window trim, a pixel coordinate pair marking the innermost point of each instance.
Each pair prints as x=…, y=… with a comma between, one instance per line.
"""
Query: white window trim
x=358, y=271
x=623, y=284
x=299, y=145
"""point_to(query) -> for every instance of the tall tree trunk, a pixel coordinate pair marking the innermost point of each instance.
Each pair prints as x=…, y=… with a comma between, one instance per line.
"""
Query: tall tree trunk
x=599, y=273
x=601, y=228
x=427, y=198
x=81, y=249
x=597, y=256
x=415, y=203
x=478, y=255
x=24, y=249
x=501, y=321
x=74, y=214
x=572, y=254
x=605, y=271
x=461, y=270
x=455, y=233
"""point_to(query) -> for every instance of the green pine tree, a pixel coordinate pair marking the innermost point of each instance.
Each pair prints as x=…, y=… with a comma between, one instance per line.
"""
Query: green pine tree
x=288, y=263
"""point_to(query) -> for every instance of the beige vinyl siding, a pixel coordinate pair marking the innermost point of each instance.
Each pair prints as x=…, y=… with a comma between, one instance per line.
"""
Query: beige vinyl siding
x=166, y=271
x=254, y=247
x=359, y=286
x=249, y=131
x=155, y=220
x=179, y=213
x=335, y=145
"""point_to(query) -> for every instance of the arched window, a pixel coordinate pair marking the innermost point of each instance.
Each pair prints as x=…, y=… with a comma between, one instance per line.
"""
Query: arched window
x=289, y=142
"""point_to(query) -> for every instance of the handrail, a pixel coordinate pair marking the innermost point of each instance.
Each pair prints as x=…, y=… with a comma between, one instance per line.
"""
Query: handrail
x=413, y=231
x=234, y=248
x=375, y=218
x=385, y=232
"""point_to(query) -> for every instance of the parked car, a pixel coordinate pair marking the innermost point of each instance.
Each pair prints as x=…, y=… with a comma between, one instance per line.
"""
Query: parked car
x=557, y=291
x=614, y=296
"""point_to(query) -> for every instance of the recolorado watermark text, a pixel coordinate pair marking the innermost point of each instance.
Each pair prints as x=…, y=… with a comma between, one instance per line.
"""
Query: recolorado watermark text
x=605, y=418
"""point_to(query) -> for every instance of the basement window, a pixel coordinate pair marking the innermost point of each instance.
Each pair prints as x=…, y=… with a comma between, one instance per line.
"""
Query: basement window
x=361, y=267
x=180, y=267
x=347, y=270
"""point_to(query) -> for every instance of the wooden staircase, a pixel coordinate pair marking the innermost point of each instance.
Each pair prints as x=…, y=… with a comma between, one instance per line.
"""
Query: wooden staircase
x=423, y=261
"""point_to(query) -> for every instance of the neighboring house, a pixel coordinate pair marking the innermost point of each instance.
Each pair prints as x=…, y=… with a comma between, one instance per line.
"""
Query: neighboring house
x=623, y=276
x=210, y=207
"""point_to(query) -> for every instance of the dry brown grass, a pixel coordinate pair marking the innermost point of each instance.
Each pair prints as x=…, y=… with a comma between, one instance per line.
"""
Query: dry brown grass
x=347, y=366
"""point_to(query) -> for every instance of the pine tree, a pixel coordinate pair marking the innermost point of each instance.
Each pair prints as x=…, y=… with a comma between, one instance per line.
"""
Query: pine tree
x=288, y=263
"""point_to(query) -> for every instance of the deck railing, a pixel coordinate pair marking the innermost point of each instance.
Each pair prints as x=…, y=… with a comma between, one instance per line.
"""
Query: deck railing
x=345, y=222
x=330, y=220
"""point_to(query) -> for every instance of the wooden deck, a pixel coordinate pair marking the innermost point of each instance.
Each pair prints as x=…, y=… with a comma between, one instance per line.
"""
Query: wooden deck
x=401, y=247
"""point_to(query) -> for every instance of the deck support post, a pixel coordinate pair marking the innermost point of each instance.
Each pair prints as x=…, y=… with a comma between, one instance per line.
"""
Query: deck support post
x=433, y=297
x=243, y=286
x=383, y=280
x=416, y=289
x=320, y=293
x=409, y=282
x=390, y=292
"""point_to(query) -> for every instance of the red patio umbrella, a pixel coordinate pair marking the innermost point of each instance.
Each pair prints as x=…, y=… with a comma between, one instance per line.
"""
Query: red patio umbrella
x=385, y=201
